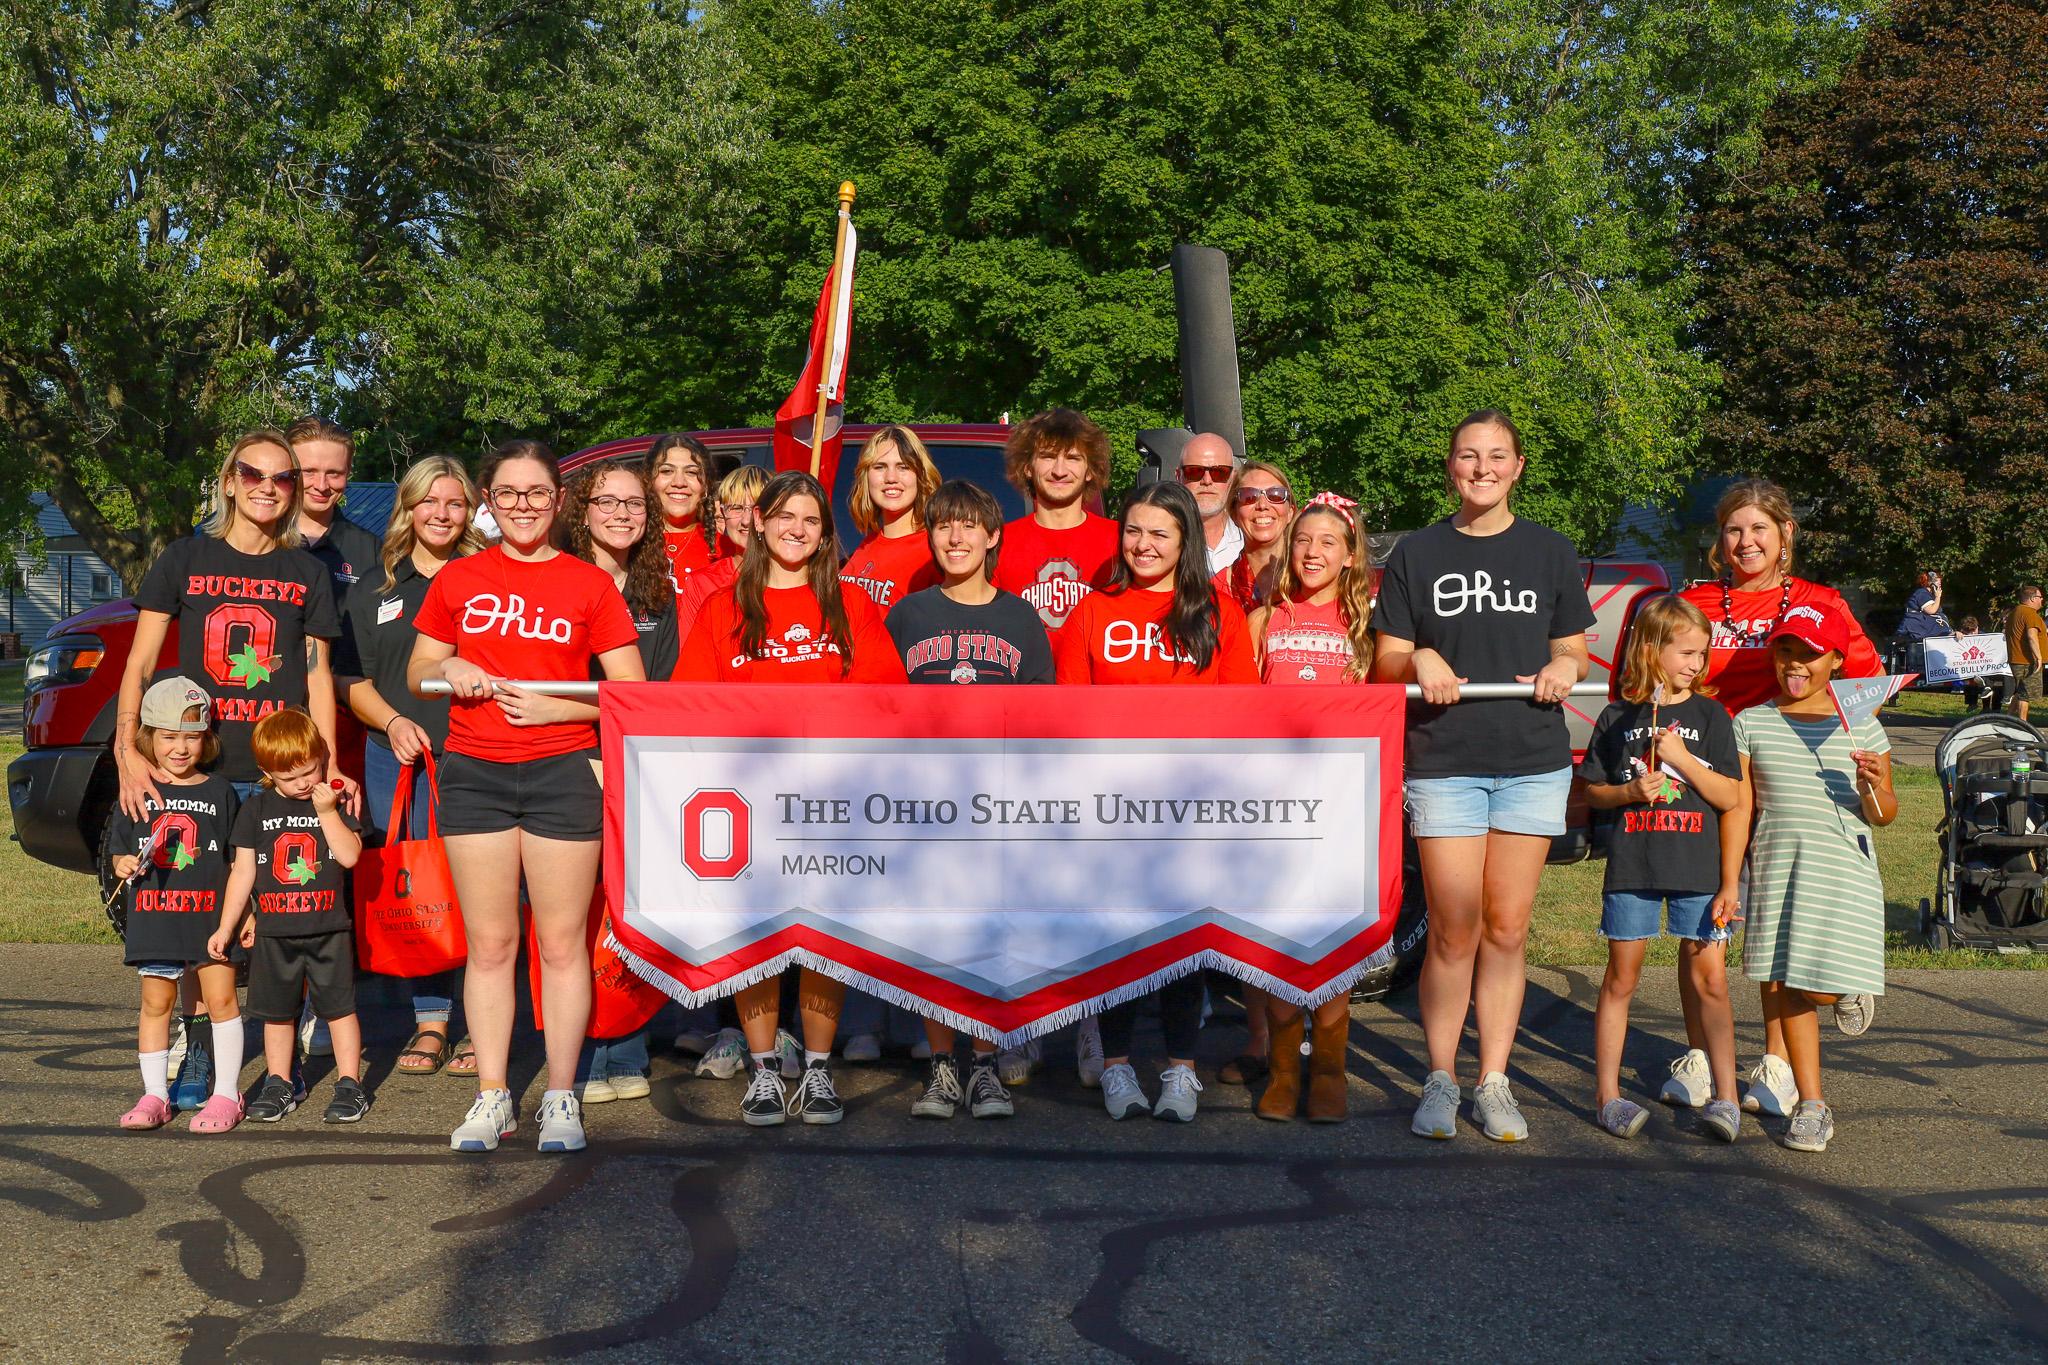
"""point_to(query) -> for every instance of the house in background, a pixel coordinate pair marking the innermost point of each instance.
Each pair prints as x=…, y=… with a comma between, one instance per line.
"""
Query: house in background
x=69, y=579
x=1676, y=537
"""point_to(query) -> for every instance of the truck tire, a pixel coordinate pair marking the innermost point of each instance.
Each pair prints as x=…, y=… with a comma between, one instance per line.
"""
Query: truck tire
x=103, y=866
x=1411, y=935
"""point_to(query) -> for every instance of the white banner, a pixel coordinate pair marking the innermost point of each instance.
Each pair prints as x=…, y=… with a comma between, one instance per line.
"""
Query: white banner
x=1953, y=658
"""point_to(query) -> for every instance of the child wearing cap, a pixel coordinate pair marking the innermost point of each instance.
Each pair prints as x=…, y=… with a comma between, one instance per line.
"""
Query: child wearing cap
x=292, y=843
x=1816, y=907
x=172, y=865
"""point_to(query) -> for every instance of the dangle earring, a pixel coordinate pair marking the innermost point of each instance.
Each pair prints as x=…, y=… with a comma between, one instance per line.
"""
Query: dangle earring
x=1784, y=558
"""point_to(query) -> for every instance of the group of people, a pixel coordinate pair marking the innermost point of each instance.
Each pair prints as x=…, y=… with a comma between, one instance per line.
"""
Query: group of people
x=238, y=818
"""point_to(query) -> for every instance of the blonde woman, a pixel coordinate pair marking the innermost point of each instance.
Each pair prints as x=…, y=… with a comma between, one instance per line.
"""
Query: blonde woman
x=892, y=482
x=430, y=527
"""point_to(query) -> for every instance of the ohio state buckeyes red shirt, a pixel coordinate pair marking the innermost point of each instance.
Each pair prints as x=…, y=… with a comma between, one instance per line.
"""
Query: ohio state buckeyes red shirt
x=889, y=570
x=1121, y=638
x=1053, y=570
x=796, y=648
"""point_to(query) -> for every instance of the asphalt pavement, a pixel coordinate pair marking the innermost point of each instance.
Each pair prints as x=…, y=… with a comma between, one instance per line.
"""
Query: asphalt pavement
x=1057, y=1235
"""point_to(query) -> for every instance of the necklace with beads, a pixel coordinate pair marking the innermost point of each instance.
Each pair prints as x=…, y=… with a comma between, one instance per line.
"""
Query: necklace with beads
x=1757, y=638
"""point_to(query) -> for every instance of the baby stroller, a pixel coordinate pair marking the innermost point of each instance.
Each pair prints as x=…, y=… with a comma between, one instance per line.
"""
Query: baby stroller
x=1989, y=891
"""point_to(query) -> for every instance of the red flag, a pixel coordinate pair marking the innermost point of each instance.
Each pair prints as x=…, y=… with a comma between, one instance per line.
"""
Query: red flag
x=831, y=328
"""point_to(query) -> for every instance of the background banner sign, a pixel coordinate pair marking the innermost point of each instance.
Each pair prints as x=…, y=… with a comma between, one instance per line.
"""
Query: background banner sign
x=1004, y=859
x=1954, y=658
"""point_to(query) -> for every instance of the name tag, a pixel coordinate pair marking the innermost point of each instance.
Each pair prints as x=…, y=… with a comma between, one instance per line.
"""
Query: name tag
x=390, y=610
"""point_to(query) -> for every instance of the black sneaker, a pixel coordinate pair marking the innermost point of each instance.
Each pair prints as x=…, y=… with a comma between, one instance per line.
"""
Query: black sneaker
x=274, y=1098
x=763, y=1105
x=350, y=1102
x=986, y=1097
x=942, y=1092
x=814, y=1100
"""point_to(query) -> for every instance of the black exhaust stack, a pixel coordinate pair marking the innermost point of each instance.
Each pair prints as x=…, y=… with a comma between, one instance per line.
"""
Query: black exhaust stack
x=1210, y=399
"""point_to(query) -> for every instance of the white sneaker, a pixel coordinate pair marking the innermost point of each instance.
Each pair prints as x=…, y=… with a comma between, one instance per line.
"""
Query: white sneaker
x=561, y=1123
x=1853, y=1014
x=863, y=1047
x=1088, y=1051
x=1437, y=1115
x=596, y=1090
x=1771, y=1088
x=490, y=1118
x=1813, y=1126
x=632, y=1086
x=726, y=1057
x=790, y=1053
x=696, y=1042
x=1691, y=1083
x=1495, y=1111
x=1177, y=1090
x=1014, y=1064
x=1120, y=1093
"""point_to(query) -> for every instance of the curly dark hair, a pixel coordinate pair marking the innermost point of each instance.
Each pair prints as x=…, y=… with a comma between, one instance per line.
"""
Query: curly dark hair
x=649, y=588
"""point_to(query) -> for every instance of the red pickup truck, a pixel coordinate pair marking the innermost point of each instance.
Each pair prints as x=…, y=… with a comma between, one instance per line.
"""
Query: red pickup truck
x=62, y=789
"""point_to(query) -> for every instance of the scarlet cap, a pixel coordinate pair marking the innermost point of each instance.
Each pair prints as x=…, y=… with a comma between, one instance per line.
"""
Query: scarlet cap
x=1819, y=626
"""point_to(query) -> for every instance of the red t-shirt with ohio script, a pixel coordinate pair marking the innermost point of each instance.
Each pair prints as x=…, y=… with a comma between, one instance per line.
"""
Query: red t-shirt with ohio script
x=1053, y=570
x=1121, y=638
x=796, y=648
x=891, y=568
x=1739, y=659
x=516, y=618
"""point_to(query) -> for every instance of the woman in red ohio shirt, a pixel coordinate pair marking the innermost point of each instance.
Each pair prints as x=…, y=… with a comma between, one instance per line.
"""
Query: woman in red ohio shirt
x=519, y=788
x=1753, y=591
x=1160, y=620
x=892, y=482
x=789, y=618
x=679, y=471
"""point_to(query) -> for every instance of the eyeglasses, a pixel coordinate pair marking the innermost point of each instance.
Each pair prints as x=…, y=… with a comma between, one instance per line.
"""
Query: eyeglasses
x=608, y=504
x=540, y=499
x=1206, y=473
x=737, y=509
x=252, y=477
x=1279, y=497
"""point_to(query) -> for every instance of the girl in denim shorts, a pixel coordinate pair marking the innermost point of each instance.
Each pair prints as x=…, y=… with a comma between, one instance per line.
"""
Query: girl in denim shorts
x=1663, y=760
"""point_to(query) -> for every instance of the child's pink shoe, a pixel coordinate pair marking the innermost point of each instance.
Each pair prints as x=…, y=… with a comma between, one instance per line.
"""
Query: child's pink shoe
x=218, y=1115
x=149, y=1112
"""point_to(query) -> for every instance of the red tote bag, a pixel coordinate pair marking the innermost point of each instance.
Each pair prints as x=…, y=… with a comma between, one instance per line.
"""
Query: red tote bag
x=408, y=922
x=620, y=1002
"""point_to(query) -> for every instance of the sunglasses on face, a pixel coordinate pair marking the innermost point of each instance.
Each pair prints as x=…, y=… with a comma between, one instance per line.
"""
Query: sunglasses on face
x=608, y=504
x=253, y=477
x=1206, y=473
x=1279, y=497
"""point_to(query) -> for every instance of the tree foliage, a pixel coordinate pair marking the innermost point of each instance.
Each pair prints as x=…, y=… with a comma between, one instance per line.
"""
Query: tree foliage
x=1877, y=291
x=215, y=213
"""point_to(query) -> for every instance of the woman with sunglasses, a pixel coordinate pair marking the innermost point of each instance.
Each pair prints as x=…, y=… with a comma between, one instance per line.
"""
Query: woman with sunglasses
x=1260, y=504
x=1160, y=620
x=256, y=619
x=519, y=789
x=679, y=471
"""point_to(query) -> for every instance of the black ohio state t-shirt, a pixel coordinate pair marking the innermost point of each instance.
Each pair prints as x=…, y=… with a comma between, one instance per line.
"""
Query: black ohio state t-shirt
x=242, y=626
x=298, y=884
x=943, y=641
x=174, y=902
x=1490, y=605
x=1673, y=844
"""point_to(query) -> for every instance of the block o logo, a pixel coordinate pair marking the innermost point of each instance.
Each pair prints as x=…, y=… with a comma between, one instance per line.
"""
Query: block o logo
x=718, y=834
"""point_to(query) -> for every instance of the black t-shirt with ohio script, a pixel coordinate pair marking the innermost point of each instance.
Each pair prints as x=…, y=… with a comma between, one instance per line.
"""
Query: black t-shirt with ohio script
x=242, y=623
x=1490, y=605
x=1673, y=844
x=174, y=902
x=943, y=641
x=299, y=886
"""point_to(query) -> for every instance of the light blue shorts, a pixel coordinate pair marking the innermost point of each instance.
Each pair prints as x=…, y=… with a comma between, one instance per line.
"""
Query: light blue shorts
x=1635, y=915
x=1466, y=807
x=167, y=971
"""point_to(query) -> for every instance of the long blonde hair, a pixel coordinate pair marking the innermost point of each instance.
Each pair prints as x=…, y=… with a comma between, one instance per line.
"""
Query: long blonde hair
x=418, y=481
x=866, y=518
x=1354, y=588
x=221, y=516
x=1657, y=623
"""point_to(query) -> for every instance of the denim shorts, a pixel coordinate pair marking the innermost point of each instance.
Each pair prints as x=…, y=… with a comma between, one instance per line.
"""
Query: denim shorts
x=1635, y=914
x=168, y=971
x=1465, y=807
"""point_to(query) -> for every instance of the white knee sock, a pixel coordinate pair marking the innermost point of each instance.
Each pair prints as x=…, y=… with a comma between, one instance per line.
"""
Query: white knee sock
x=227, y=1057
x=156, y=1073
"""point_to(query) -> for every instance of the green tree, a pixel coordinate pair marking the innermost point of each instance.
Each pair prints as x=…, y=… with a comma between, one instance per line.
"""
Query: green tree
x=1877, y=291
x=215, y=213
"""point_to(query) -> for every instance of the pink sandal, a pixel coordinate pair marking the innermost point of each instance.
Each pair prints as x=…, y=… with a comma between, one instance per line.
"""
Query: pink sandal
x=149, y=1112
x=218, y=1115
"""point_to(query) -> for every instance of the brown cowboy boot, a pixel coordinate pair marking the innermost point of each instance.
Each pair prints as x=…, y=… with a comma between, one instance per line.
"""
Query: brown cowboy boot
x=1283, y=1066
x=1327, y=1100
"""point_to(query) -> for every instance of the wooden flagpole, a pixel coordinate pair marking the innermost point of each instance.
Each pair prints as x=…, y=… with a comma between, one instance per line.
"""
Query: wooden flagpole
x=831, y=322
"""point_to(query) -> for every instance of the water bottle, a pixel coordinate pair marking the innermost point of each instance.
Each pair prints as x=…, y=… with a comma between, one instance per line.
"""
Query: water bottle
x=2022, y=768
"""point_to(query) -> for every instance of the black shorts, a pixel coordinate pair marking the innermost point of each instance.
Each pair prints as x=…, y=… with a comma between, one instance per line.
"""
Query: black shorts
x=556, y=798
x=282, y=969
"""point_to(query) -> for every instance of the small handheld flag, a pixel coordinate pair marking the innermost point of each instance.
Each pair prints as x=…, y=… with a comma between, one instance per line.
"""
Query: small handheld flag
x=1858, y=699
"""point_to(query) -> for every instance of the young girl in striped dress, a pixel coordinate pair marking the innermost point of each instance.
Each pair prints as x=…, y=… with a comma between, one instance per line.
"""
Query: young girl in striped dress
x=1816, y=908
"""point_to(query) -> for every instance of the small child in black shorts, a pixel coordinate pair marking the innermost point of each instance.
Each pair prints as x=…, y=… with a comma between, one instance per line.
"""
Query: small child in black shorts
x=292, y=843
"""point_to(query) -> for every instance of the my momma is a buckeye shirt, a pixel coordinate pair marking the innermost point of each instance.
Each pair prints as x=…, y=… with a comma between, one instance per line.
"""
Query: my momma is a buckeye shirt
x=298, y=883
x=523, y=619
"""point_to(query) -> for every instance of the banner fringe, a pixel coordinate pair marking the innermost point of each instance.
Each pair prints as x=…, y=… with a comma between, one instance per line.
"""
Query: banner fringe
x=1208, y=958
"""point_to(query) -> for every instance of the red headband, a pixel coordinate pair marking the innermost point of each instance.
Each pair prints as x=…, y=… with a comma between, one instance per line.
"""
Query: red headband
x=1337, y=503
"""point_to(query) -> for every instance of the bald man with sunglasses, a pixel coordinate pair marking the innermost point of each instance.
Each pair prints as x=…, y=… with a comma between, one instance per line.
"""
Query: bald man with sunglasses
x=1207, y=465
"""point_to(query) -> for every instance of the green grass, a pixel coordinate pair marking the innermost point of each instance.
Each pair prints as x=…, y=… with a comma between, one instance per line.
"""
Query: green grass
x=11, y=674
x=1948, y=706
x=39, y=903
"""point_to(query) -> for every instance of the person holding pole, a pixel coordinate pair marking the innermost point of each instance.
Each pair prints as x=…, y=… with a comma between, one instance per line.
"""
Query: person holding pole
x=520, y=797
x=1482, y=596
